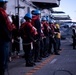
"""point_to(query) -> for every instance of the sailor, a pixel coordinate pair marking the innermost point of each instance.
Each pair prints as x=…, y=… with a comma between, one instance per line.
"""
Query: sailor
x=6, y=28
x=52, y=37
x=46, y=34
x=36, y=23
x=74, y=36
x=27, y=31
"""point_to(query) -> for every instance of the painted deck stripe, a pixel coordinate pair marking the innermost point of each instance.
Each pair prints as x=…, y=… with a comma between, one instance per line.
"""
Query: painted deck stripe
x=53, y=61
x=40, y=65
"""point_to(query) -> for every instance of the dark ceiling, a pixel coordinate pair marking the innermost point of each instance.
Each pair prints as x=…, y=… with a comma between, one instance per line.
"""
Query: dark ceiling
x=45, y=5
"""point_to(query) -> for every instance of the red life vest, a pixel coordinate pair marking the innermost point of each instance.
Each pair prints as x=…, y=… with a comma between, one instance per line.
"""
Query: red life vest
x=33, y=19
x=52, y=27
x=33, y=22
x=7, y=21
x=46, y=24
x=23, y=32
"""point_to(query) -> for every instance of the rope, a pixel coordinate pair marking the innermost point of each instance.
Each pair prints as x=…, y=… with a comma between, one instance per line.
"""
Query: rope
x=23, y=43
x=63, y=71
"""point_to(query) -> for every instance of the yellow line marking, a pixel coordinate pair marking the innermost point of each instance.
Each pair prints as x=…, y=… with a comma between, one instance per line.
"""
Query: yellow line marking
x=32, y=71
x=40, y=65
x=28, y=74
x=36, y=68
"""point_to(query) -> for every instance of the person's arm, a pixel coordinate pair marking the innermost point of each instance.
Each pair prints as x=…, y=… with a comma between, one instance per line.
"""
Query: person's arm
x=38, y=27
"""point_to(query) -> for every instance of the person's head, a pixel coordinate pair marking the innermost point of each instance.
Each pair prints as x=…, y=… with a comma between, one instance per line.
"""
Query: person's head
x=47, y=18
x=51, y=21
x=28, y=17
x=43, y=19
x=22, y=20
x=73, y=26
x=3, y=4
x=36, y=12
x=57, y=26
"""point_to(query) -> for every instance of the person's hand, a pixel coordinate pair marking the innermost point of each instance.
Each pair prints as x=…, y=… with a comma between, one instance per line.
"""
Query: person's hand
x=12, y=40
x=34, y=40
x=55, y=32
x=43, y=37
